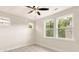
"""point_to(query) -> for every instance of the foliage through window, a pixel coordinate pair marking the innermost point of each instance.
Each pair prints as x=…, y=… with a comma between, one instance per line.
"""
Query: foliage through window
x=49, y=28
x=60, y=28
x=65, y=27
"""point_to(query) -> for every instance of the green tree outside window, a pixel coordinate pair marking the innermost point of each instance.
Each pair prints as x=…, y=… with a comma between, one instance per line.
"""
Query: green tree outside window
x=62, y=25
x=49, y=29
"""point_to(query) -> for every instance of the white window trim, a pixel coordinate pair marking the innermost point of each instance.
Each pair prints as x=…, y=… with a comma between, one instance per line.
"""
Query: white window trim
x=55, y=28
x=45, y=29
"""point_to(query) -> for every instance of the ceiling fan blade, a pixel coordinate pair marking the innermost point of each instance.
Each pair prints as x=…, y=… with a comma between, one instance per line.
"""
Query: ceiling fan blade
x=30, y=12
x=33, y=6
x=29, y=7
x=38, y=13
x=43, y=8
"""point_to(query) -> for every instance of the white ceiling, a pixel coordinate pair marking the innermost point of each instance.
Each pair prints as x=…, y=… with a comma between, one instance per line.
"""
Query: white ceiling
x=23, y=11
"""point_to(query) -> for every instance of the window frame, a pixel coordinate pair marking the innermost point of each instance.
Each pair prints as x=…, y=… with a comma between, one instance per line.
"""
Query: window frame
x=45, y=29
x=56, y=30
x=71, y=27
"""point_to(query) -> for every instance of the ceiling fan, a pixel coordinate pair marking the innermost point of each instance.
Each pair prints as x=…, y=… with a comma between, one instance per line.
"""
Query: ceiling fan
x=36, y=9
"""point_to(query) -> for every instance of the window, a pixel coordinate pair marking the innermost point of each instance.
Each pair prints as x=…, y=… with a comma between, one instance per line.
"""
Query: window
x=60, y=28
x=4, y=21
x=65, y=27
x=49, y=28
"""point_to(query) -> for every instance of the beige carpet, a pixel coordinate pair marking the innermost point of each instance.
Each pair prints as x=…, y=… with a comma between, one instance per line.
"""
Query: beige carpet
x=32, y=48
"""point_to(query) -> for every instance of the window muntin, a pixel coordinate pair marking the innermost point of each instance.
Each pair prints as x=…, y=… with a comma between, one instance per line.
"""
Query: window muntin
x=49, y=26
x=65, y=27
x=60, y=28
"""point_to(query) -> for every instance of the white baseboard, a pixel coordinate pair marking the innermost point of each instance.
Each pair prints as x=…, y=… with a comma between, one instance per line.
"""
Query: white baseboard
x=56, y=49
x=14, y=47
x=24, y=44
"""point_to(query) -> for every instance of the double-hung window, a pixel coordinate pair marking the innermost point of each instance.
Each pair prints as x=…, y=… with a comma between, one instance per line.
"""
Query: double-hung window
x=64, y=27
x=59, y=28
x=49, y=28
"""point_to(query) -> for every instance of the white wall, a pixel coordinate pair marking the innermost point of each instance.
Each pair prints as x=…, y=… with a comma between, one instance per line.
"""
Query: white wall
x=17, y=34
x=58, y=44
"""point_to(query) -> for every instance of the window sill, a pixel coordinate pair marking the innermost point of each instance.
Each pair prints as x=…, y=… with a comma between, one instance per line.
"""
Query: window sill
x=65, y=39
x=59, y=38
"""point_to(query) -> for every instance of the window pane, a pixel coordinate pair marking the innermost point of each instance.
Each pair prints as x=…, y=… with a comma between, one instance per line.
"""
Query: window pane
x=49, y=29
x=68, y=33
x=49, y=33
x=64, y=27
x=61, y=33
x=49, y=24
